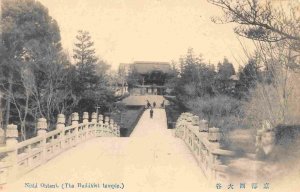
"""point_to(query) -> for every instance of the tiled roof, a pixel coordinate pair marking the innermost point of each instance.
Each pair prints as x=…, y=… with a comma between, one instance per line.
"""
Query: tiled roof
x=144, y=67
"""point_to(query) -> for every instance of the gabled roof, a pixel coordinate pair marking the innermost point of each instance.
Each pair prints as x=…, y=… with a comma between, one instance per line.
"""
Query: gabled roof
x=144, y=67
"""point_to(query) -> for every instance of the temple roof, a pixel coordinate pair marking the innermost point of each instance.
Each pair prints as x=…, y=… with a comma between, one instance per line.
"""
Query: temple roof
x=144, y=67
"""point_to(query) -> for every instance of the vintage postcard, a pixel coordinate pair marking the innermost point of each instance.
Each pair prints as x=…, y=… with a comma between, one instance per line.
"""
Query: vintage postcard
x=149, y=95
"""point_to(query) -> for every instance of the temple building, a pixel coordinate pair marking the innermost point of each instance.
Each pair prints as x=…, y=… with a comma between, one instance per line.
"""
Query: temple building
x=147, y=77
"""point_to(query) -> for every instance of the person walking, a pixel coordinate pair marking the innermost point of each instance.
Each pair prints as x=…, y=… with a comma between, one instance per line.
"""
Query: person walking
x=162, y=104
x=151, y=113
x=148, y=104
x=154, y=104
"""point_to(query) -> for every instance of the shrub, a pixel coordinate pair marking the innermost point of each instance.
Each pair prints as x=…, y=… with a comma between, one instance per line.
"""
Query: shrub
x=220, y=111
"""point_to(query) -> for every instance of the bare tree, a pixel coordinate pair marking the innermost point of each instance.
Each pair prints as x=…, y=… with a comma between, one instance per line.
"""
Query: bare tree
x=275, y=99
x=261, y=20
x=51, y=91
x=275, y=30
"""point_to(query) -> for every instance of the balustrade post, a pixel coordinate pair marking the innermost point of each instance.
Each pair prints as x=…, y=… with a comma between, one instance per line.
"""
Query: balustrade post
x=214, y=136
x=106, y=119
x=203, y=126
x=94, y=117
x=195, y=125
x=195, y=120
x=12, y=156
x=95, y=124
x=100, y=125
x=75, y=119
x=115, y=129
x=85, y=117
x=61, y=120
x=182, y=126
x=100, y=118
x=85, y=126
x=118, y=131
x=106, y=126
x=111, y=127
x=42, y=130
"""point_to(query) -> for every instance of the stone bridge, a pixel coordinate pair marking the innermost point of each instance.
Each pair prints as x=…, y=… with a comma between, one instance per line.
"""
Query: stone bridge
x=90, y=156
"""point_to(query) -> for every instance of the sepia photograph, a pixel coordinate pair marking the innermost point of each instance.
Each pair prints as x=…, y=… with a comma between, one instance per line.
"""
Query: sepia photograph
x=149, y=95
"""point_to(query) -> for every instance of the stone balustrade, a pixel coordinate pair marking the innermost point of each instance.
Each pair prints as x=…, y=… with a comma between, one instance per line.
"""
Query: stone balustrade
x=18, y=158
x=204, y=143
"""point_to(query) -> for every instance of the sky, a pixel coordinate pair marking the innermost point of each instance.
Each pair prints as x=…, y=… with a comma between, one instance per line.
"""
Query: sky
x=147, y=30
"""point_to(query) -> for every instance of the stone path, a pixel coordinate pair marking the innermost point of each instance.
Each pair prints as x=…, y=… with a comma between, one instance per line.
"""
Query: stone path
x=152, y=159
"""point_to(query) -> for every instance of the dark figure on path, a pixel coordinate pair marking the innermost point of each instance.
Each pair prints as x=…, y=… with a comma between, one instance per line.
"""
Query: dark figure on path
x=151, y=113
x=162, y=104
x=148, y=104
x=154, y=104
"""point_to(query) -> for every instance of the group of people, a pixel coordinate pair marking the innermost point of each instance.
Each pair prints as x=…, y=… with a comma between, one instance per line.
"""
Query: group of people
x=154, y=105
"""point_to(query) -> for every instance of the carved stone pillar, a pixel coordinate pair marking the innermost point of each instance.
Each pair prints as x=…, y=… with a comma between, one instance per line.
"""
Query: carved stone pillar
x=111, y=127
x=106, y=126
x=195, y=120
x=94, y=117
x=99, y=130
x=42, y=126
x=12, y=156
x=85, y=117
x=61, y=120
x=214, y=134
x=42, y=130
x=75, y=119
x=100, y=118
x=203, y=126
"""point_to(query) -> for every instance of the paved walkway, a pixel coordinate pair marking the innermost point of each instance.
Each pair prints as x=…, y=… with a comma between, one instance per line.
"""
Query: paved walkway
x=152, y=159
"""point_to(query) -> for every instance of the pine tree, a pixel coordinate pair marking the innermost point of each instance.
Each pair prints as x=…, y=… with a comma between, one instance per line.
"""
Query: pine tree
x=225, y=70
x=86, y=61
x=90, y=84
x=248, y=78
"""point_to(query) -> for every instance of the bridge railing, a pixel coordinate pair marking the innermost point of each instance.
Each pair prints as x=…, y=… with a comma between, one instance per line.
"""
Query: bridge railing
x=204, y=145
x=18, y=158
